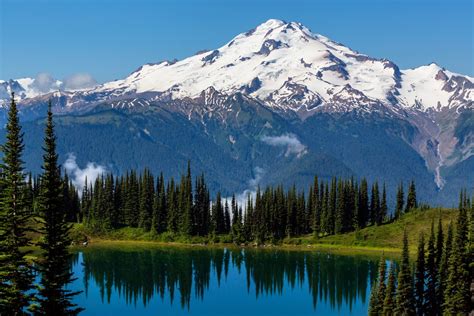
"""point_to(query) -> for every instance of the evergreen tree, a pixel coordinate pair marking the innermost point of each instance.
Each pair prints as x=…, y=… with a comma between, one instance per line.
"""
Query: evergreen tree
x=411, y=197
x=363, y=204
x=374, y=204
x=226, y=218
x=457, y=293
x=443, y=267
x=381, y=287
x=340, y=207
x=389, y=301
x=420, y=276
x=400, y=202
x=431, y=305
x=53, y=298
x=186, y=204
x=405, y=298
x=147, y=193
x=373, y=301
x=383, y=207
x=15, y=272
x=218, y=215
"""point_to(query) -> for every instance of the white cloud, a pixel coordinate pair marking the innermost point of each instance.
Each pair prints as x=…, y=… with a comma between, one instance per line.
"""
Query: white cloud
x=44, y=82
x=290, y=141
x=79, y=81
x=251, y=190
x=78, y=176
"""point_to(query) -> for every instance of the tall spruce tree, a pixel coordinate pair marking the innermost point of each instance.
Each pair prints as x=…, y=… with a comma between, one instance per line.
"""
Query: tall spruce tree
x=383, y=207
x=443, y=267
x=389, y=301
x=15, y=272
x=374, y=301
x=363, y=207
x=411, y=197
x=431, y=304
x=420, y=276
x=53, y=297
x=457, y=293
x=381, y=287
x=405, y=298
x=400, y=202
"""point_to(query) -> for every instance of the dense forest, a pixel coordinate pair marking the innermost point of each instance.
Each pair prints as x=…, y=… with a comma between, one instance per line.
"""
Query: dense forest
x=181, y=208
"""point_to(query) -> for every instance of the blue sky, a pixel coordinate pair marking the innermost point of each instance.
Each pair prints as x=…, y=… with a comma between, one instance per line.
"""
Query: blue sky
x=110, y=38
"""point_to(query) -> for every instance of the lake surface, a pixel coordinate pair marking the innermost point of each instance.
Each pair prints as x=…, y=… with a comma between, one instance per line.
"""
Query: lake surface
x=139, y=280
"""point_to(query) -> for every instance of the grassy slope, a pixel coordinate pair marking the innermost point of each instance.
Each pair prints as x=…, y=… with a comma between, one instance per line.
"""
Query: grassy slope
x=386, y=237
x=390, y=236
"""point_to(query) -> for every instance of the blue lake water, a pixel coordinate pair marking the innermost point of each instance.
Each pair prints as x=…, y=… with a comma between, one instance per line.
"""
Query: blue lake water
x=143, y=280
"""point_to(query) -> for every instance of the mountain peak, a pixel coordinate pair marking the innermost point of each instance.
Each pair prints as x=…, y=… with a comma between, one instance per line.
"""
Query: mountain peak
x=286, y=66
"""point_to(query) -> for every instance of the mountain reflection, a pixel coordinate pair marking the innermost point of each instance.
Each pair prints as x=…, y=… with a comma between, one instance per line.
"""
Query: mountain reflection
x=141, y=275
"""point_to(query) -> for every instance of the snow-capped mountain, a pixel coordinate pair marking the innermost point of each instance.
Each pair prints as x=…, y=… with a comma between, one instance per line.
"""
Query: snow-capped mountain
x=286, y=66
x=286, y=70
x=27, y=88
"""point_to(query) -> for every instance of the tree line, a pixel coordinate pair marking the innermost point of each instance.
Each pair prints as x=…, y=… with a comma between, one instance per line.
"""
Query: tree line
x=440, y=282
x=179, y=207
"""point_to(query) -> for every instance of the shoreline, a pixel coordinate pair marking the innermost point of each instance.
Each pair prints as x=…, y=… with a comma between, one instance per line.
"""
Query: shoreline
x=331, y=248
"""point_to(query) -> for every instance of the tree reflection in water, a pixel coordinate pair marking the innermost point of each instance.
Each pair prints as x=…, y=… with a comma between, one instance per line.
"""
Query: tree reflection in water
x=140, y=275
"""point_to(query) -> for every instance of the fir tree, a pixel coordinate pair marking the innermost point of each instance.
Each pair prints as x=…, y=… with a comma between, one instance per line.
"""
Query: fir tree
x=389, y=301
x=400, y=202
x=431, y=306
x=381, y=287
x=53, y=298
x=363, y=204
x=15, y=271
x=405, y=298
x=420, y=276
x=373, y=301
x=443, y=267
x=411, y=197
x=457, y=294
x=383, y=207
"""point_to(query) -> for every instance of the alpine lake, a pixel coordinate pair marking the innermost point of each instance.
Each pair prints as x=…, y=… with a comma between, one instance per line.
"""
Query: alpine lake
x=142, y=279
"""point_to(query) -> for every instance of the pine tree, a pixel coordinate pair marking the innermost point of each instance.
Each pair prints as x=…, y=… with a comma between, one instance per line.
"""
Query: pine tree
x=400, y=202
x=374, y=204
x=340, y=206
x=53, y=298
x=443, y=267
x=15, y=272
x=316, y=208
x=381, y=287
x=147, y=192
x=373, y=301
x=420, y=276
x=218, y=215
x=411, y=198
x=405, y=298
x=226, y=218
x=389, y=301
x=383, y=207
x=431, y=306
x=186, y=204
x=363, y=204
x=457, y=293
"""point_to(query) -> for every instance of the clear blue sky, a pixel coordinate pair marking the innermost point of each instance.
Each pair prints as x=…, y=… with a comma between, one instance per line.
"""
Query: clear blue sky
x=110, y=38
